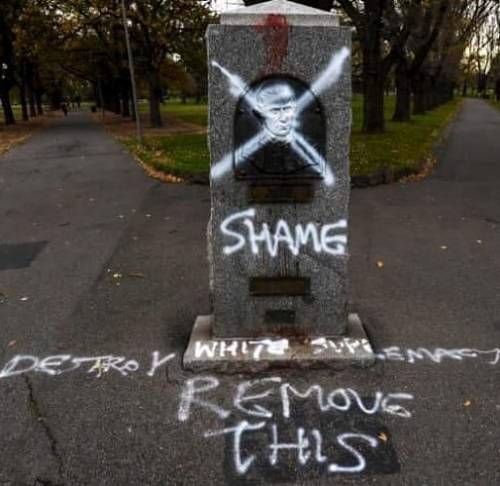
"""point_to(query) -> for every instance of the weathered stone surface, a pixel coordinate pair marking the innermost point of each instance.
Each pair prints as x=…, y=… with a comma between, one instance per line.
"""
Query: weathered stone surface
x=296, y=14
x=206, y=352
x=247, y=52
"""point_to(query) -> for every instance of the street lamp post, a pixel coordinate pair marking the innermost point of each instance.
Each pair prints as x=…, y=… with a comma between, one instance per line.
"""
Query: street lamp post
x=132, y=75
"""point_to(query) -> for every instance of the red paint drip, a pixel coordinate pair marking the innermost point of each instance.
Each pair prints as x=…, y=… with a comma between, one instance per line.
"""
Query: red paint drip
x=275, y=36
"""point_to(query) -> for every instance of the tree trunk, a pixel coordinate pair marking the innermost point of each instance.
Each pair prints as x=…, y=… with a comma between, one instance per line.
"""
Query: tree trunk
x=39, y=104
x=431, y=93
x=373, y=107
x=464, y=89
x=373, y=71
x=22, y=98
x=116, y=106
x=155, y=93
x=38, y=90
x=95, y=93
x=8, y=114
x=402, y=112
x=132, y=112
x=30, y=88
x=419, y=95
x=31, y=101
x=125, y=98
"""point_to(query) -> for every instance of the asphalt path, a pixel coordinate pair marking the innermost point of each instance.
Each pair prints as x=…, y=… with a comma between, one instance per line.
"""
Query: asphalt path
x=96, y=260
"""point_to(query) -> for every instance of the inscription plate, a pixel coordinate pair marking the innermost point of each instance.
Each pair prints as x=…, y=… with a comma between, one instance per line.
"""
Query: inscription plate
x=280, y=193
x=276, y=286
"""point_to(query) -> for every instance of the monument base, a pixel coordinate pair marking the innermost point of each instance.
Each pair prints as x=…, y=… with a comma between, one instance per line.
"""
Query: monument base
x=231, y=355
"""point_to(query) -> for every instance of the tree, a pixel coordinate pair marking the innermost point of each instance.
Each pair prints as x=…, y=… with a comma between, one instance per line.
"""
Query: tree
x=383, y=27
x=9, y=11
x=161, y=29
x=427, y=22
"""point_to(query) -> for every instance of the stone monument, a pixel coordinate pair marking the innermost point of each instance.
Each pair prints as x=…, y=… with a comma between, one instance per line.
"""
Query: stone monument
x=279, y=128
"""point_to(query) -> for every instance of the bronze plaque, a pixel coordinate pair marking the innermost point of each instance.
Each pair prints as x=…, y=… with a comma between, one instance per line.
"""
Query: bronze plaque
x=280, y=193
x=279, y=131
x=280, y=286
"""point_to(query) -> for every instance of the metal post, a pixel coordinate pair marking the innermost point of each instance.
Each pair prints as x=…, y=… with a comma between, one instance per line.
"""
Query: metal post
x=132, y=76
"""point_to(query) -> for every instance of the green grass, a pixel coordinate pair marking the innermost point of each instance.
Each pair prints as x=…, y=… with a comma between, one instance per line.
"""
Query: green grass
x=189, y=112
x=404, y=146
x=177, y=154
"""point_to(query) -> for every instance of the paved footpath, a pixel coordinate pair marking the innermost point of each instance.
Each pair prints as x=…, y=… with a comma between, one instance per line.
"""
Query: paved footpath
x=97, y=260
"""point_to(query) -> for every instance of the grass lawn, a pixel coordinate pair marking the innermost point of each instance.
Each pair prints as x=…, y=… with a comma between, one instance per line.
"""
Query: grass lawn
x=189, y=112
x=180, y=155
x=403, y=145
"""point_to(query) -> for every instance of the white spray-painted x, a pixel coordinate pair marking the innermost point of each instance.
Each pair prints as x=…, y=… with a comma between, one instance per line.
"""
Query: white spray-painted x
x=239, y=89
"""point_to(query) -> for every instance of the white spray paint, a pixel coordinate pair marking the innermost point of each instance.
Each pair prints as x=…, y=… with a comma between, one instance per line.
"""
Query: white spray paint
x=194, y=387
x=98, y=365
x=323, y=239
x=95, y=365
x=282, y=120
x=254, y=399
x=361, y=465
x=195, y=390
x=437, y=355
x=254, y=349
x=241, y=465
x=322, y=344
x=308, y=447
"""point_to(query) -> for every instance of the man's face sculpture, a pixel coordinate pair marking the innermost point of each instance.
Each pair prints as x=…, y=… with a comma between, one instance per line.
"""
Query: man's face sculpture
x=277, y=106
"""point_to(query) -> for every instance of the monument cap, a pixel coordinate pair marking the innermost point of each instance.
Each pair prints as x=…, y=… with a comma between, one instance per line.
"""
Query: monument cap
x=296, y=14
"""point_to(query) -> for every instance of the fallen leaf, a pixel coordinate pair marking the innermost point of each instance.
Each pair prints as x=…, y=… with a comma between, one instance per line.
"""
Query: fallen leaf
x=136, y=275
x=467, y=403
x=24, y=299
x=444, y=247
x=479, y=242
x=117, y=275
x=380, y=264
x=12, y=343
x=383, y=437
